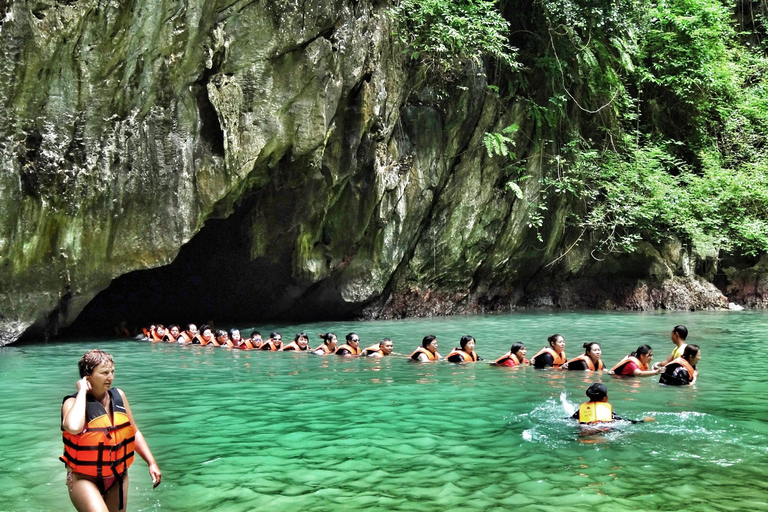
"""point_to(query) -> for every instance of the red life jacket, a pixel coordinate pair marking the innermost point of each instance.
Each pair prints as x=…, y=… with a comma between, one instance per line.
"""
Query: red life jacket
x=511, y=357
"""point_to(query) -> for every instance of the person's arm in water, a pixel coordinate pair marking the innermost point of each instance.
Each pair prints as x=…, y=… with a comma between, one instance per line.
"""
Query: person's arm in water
x=141, y=446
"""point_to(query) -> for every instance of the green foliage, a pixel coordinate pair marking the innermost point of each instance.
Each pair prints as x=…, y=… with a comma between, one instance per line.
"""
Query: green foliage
x=447, y=35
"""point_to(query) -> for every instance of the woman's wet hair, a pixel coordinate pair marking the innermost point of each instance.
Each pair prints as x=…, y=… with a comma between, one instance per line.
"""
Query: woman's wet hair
x=553, y=339
x=351, y=335
x=91, y=360
x=327, y=337
x=681, y=331
x=690, y=351
x=588, y=346
x=464, y=340
x=203, y=328
x=642, y=350
x=516, y=347
x=429, y=338
x=300, y=335
x=233, y=331
x=220, y=332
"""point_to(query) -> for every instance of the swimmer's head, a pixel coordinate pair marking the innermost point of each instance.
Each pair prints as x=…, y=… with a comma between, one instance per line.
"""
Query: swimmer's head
x=91, y=360
x=681, y=331
x=516, y=348
x=428, y=339
x=597, y=392
x=328, y=338
x=692, y=353
x=466, y=340
x=556, y=341
x=594, y=348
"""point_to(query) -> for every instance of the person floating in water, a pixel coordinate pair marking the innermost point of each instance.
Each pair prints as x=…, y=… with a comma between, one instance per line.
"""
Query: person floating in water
x=329, y=344
x=465, y=352
x=100, y=436
x=597, y=409
x=351, y=347
x=300, y=343
x=636, y=364
x=381, y=349
x=589, y=360
x=427, y=351
x=274, y=343
x=551, y=356
x=682, y=371
x=515, y=356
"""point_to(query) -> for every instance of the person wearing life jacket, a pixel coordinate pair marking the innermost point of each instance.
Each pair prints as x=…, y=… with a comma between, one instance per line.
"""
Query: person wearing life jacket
x=678, y=336
x=256, y=340
x=351, y=347
x=515, y=356
x=381, y=349
x=100, y=437
x=190, y=336
x=636, y=364
x=427, y=351
x=158, y=334
x=589, y=360
x=221, y=339
x=274, y=343
x=173, y=333
x=682, y=371
x=551, y=356
x=207, y=337
x=329, y=344
x=236, y=340
x=598, y=410
x=300, y=343
x=465, y=352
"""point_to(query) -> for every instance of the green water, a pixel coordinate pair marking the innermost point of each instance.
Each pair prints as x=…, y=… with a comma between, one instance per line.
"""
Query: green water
x=242, y=431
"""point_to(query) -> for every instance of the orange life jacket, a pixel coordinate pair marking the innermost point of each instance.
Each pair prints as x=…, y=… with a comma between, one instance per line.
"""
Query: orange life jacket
x=512, y=357
x=624, y=361
x=213, y=341
x=246, y=344
x=294, y=346
x=353, y=351
x=422, y=350
x=466, y=357
x=324, y=348
x=271, y=345
x=588, y=361
x=104, y=448
x=197, y=339
x=595, y=412
x=373, y=349
x=685, y=364
x=557, y=359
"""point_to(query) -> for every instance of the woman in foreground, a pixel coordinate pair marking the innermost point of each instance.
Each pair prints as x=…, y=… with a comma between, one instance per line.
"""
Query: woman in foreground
x=100, y=436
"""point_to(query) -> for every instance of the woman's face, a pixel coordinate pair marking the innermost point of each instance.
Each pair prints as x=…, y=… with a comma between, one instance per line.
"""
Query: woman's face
x=647, y=358
x=207, y=335
x=354, y=341
x=696, y=358
x=101, y=378
x=522, y=351
x=333, y=341
x=595, y=351
x=559, y=344
x=236, y=335
x=302, y=341
x=432, y=347
x=222, y=339
x=175, y=332
x=470, y=346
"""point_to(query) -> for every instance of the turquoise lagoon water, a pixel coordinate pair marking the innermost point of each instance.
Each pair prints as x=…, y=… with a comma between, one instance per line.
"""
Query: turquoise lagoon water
x=242, y=431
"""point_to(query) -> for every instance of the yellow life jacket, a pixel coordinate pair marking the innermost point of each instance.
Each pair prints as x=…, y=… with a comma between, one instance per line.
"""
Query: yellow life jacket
x=595, y=412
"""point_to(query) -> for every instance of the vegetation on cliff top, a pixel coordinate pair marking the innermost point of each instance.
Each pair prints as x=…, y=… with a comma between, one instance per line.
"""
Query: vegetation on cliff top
x=658, y=111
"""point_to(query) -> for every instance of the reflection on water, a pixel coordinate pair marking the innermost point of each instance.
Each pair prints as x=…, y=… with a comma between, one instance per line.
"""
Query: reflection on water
x=252, y=430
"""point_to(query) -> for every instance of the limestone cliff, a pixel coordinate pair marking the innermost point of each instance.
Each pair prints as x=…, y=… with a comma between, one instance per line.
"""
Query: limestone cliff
x=287, y=151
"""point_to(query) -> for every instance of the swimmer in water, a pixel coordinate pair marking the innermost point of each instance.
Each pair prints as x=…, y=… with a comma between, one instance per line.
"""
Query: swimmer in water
x=589, y=360
x=465, y=352
x=381, y=349
x=427, y=351
x=274, y=343
x=597, y=409
x=351, y=347
x=551, y=356
x=300, y=343
x=515, y=356
x=682, y=371
x=256, y=340
x=636, y=364
x=329, y=344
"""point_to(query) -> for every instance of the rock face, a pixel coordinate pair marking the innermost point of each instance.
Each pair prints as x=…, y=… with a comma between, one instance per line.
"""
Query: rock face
x=290, y=139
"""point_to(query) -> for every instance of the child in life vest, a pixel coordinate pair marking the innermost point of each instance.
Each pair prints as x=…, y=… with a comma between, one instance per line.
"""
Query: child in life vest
x=597, y=409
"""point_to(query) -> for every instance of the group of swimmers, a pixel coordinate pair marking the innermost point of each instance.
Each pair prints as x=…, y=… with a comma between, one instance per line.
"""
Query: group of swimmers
x=678, y=369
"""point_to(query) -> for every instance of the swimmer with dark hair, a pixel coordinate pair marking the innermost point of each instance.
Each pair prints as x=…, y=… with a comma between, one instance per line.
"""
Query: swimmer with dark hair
x=300, y=343
x=381, y=349
x=256, y=340
x=682, y=371
x=597, y=409
x=329, y=344
x=274, y=343
x=465, y=352
x=351, y=347
x=636, y=364
x=207, y=337
x=427, y=351
x=678, y=336
x=190, y=336
x=515, y=356
x=589, y=360
x=552, y=356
